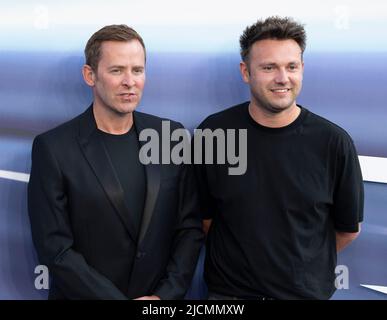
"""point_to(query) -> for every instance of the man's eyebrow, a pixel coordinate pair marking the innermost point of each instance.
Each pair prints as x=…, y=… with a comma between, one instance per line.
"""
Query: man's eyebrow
x=116, y=67
x=125, y=67
x=267, y=64
x=274, y=64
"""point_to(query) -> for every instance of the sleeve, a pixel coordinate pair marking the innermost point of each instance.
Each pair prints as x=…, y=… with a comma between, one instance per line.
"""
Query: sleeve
x=348, y=203
x=206, y=203
x=52, y=235
x=187, y=242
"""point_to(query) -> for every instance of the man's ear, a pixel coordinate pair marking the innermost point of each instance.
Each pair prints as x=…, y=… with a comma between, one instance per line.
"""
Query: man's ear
x=88, y=75
x=244, y=71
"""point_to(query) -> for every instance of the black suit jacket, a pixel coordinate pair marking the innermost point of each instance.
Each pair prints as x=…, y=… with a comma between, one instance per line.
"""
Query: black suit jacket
x=81, y=227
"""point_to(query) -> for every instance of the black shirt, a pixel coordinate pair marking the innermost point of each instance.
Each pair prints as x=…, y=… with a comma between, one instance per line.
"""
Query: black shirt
x=273, y=228
x=123, y=151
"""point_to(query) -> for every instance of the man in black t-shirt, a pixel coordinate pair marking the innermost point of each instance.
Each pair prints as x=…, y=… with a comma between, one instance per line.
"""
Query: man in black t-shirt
x=107, y=225
x=275, y=230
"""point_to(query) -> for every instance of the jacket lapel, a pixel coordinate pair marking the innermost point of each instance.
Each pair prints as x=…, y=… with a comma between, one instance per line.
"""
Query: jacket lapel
x=152, y=172
x=98, y=158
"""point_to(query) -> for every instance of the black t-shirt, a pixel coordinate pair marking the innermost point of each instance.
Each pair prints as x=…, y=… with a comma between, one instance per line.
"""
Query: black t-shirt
x=123, y=151
x=273, y=228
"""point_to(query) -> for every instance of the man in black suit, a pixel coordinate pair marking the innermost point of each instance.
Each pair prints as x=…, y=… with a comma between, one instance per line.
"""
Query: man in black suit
x=106, y=225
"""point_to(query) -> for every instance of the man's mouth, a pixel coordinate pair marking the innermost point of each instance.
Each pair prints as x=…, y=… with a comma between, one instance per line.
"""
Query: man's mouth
x=280, y=90
x=127, y=94
x=127, y=97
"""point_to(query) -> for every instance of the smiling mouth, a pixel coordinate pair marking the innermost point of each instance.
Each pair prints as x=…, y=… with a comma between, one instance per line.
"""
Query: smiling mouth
x=282, y=90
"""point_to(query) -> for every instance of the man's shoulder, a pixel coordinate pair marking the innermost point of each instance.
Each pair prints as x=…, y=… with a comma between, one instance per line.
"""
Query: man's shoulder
x=327, y=125
x=65, y=130
x=155, y=122
x=225, y=118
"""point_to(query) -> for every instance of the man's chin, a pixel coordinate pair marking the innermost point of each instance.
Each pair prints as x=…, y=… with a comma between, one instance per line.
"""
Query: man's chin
x=125, y=110
x=279, y=108
x=275, y=106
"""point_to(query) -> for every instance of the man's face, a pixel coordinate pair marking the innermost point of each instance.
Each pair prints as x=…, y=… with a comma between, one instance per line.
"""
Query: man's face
x=274, y=72
x=119, y=79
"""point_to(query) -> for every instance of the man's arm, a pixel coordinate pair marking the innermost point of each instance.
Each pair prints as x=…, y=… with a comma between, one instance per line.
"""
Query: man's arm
x=343, y=239
x=52, y=234
x=188, y=240
x=349, y=195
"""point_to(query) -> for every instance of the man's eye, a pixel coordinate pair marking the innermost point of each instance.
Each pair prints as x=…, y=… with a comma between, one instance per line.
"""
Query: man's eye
x=116, y=71
x=268, y=68
x=292, y=67
x=138, y=71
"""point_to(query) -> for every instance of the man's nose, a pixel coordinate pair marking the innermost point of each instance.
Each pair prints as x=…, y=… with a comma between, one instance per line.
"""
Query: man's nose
x=128, y=80
x=281, y=76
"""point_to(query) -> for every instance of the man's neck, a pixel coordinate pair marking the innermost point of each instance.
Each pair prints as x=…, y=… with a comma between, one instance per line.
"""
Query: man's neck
x=274, y=120
x=111, y=122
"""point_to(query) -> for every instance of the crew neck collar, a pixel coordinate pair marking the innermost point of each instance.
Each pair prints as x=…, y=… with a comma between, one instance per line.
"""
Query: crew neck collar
x=291, y=126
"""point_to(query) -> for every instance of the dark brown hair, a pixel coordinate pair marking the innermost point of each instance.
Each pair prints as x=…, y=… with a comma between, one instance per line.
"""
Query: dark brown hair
x=272, y=28
x=115, y=32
